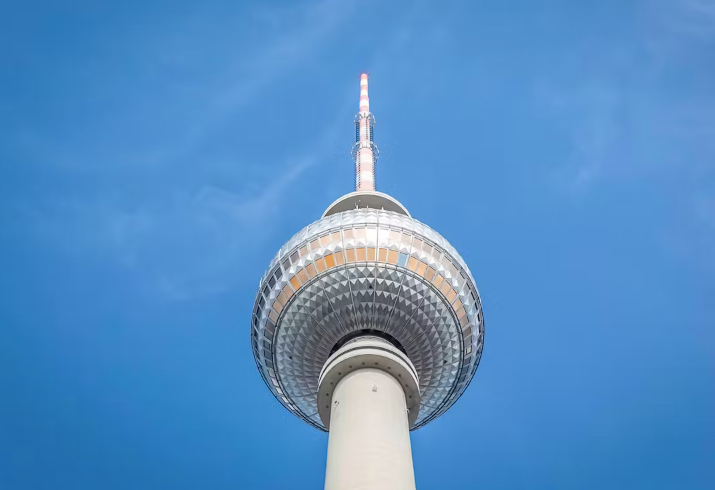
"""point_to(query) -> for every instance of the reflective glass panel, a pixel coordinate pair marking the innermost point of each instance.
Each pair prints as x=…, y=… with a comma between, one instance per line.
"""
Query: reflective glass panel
x=329, y=261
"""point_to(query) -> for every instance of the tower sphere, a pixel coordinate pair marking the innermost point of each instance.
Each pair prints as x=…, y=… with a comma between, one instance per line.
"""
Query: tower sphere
x=367, y=268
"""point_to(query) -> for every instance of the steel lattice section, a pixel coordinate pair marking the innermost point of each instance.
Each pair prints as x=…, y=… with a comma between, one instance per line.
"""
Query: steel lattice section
x=367, y=269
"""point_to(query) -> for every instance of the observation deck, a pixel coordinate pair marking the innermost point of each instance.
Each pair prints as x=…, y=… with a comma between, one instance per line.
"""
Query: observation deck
x=367, y=267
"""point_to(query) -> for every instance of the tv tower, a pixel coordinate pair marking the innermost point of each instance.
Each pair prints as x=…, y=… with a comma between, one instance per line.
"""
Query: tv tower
x=367, y=325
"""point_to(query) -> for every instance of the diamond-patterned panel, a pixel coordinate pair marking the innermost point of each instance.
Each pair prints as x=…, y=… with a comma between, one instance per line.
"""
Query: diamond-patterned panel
x=292, y=343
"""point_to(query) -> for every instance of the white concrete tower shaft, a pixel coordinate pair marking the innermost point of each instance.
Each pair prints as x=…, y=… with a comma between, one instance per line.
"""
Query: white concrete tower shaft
x=368, y=399
x=365, y=151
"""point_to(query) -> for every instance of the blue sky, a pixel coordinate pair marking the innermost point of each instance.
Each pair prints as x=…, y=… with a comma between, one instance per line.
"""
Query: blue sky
x=154, y=157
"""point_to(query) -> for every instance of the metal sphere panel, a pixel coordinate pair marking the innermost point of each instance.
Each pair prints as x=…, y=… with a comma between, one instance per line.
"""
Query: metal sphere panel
x=367, y=269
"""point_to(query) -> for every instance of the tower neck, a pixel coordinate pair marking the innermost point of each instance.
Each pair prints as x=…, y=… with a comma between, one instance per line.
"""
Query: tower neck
x=365, y=151
x=368, y=398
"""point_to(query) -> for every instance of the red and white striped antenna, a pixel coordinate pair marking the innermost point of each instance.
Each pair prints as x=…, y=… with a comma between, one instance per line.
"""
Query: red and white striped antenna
x=365, y=151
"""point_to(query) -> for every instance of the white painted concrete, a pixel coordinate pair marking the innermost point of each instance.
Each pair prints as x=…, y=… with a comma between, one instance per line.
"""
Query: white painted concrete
x=369, y=442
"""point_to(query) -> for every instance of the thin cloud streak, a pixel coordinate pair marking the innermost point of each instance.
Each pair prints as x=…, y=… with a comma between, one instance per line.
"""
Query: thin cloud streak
x=593, y=137
x=692, y=239
x=618, y=131
x=694, y=19
x=307, y=30
x=187, y=242
x=672, y=30
x=626, y=123
x=184, y=245
x=171, y=124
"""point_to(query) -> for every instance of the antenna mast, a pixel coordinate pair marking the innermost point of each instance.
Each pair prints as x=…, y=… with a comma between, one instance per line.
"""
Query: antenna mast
x=365, y=151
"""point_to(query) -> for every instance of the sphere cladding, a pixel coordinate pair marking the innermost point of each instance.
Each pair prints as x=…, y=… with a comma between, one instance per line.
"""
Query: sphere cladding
x=367, y=269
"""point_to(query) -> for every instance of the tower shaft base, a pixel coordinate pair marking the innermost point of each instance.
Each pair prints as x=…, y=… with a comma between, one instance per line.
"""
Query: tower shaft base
x=369, y=441
x=368, y=398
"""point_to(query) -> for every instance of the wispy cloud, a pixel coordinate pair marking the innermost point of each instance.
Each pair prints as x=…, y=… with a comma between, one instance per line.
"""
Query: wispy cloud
x=692, y=238
x=182, y=244
x=618, y=132
x=641, y=111
x=705, y=210
x=594, y=133
x=692, y=20
x=676, y=30
x=181, y=239
x=182, y=92
x=301, y=32
x=619, y=110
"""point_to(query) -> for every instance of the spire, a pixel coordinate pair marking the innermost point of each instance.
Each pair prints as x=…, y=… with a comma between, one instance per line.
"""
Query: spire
x=364, y=99
x=365, y=151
